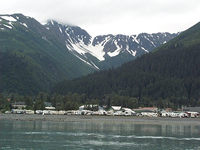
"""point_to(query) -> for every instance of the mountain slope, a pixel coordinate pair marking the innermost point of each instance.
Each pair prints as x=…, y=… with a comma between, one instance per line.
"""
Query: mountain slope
x=32, y=59
x=106, y=51
x=168, y=75
x=34, y=56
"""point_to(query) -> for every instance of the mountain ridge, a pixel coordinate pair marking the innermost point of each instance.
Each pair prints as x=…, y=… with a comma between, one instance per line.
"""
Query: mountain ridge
x=47, y=54
x=166, y=77
x=106, y=47
x=44, y=60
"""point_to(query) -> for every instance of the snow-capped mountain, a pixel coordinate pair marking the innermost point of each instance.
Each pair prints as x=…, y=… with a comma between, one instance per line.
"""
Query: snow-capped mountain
x=34, y=56
x=7, y=21
x=106, y=51
x=100, y=52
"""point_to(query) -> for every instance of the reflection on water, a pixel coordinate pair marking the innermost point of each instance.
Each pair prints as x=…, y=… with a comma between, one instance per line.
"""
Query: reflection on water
x=104, y=134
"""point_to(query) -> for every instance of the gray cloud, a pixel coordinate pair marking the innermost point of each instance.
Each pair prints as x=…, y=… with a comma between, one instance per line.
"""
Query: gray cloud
x=112, y=16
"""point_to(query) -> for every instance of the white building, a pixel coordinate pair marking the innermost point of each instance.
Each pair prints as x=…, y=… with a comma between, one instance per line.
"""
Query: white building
x=149, y=114
x=115, y=110
x=192, y=114
x=30, y=112
x=128, y=112
x=17, y=111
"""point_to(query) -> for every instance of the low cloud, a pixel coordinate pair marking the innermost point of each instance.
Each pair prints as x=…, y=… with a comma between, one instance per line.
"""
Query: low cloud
x=112, y=16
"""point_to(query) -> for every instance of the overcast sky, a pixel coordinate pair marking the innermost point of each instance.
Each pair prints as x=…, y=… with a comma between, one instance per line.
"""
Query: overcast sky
x=112, y=16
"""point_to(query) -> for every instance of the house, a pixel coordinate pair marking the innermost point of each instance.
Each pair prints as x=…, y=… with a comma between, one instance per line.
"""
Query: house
x=61, y=112
x=149, y=114
x=183, y=115
x=146, y=109
x=102, y=112
x=17, y=111
x=193, y=114
x=128, y=112
x=192, y=111
x=85, y=112
x=18, y=105
x=173, y=114
x=88, y=107
x=164, y=113
x=22, y=111
x=118, y=113
x=48, y=106
x=30, y=112
x=53, y=112
x=45, y=112
x=115, y=110
x=177, y=114
x=71, y=112
x=39, y=112
x=99, y=112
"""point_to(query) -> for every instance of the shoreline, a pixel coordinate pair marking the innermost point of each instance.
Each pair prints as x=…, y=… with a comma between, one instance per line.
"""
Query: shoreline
x=114, y=119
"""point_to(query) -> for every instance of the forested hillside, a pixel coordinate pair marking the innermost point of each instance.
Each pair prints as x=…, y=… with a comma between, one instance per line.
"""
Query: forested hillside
x=31, y=58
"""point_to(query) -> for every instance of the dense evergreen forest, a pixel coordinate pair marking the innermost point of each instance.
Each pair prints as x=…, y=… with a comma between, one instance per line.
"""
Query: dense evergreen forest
x=167, y=77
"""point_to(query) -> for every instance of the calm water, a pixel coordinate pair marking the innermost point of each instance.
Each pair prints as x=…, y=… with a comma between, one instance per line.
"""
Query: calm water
x=44, y=135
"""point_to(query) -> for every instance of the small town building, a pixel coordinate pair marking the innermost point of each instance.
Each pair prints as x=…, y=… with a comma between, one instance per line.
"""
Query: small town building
x=89, y=107
x=39, y=112
x=18, y=105
x=115, y=110
x=146, y=109
x=30, y=112
x=149, y=114
x=102, y=112
x=192, y=114
x=17, y=111
x=50, y=108
x=128, y=112
x=61, y=112
x=118, y=113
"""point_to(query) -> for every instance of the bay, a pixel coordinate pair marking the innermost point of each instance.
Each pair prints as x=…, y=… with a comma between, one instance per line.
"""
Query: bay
x=98, y=134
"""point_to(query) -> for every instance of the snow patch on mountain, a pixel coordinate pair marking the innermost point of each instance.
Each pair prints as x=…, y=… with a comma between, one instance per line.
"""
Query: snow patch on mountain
x=79, y=50
x=117, y=51
x=96, y=51
x=144, y=49
x=8, y=18
x=82, y=49
x=10, y=27
x=60, y=30
x=135, y=38
x=24, y=24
